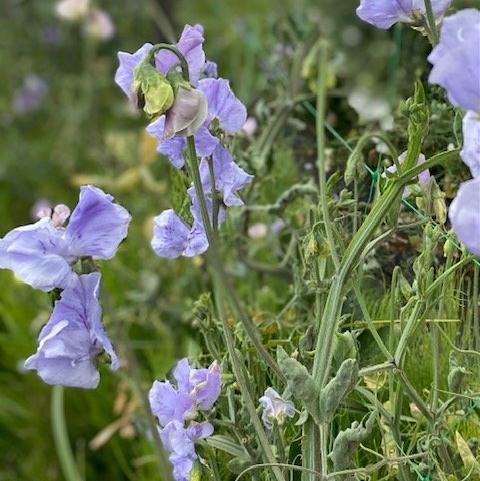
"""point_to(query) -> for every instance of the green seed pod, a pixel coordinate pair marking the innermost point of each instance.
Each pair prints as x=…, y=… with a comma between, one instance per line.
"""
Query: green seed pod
x=300, y=383
x=348, y=441
x=336, y=390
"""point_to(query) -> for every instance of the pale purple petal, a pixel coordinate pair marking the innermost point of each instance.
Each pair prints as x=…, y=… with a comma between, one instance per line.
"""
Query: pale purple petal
x=229, y=177
x=176, y=440
x=127, y=64
x=97, y=225
x=470, y=153
x=174, y=148
x=197, y=431
x=168, y=404
x=207, y=385
x=464, y=214
x=456, y=59
x=197, y=242
x=191, y=46
x=210, y=69
x=182, y=466
x=223, y=105
x=170, y=235
x=275, y=408
x=73, y=338
x=384, y=13
x=38, y=255
x=181, y=373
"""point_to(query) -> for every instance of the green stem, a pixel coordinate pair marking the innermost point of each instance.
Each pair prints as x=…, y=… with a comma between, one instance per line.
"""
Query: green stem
x=431, y=22
x=60, y=436
x=476, y=320
x=216, y=262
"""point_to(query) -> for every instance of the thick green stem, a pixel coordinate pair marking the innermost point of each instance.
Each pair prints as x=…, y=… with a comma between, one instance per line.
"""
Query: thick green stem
x=60, y=436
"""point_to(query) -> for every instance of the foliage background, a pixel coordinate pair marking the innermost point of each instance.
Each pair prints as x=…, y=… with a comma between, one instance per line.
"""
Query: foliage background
x=85, y=132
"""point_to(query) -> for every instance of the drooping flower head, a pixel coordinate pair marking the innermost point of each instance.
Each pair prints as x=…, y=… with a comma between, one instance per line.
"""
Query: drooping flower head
x=190, y=46
x=456, y=59
x=42, y=254
x=464, y=214
x=73, y=338
x=385, y=13
x=275, y=408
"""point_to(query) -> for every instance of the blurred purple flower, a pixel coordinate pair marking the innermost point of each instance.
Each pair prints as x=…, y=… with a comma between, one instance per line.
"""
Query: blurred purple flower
x=73, y=338
x=275, y=408
x=180, y=443
x=471, y=142
x=456, y=59
x=98, y=25
x=29, y=96
x=41, y=208
x=464, y=214
x=385, y=13
x=42, y=254
x=197, y=390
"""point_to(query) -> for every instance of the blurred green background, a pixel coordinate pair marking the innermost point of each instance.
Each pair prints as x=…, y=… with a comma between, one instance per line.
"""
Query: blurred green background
x=80, y=129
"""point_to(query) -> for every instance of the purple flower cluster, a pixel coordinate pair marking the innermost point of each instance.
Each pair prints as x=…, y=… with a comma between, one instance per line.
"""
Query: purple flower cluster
x=30, y=95
x=177, y=407
x=43, y=255
x=456, y=67
x=208, y=111
x=385, y=13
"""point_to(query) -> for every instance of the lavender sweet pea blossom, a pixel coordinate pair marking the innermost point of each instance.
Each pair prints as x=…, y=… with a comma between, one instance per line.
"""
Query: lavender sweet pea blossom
x=275, y=408
x=464, y=214
x=384, y=13
x=180, y=443
x=197, y=390
x=456, y=59
x=470, y=153
x=223, y=106
x=42, y=254
x=73, y=338
x=190, y=45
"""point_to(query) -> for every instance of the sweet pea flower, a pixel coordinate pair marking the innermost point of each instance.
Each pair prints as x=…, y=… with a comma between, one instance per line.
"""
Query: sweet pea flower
x=275, y=408
x=190, y=45
x=73, y=338
x=42, y=254
x=197, y=390
x=223, y=106
x=470, y=153
x=456, y=59
x=384, y=13
x=423, y=177
x=180, y=443
x=187, y=114
x=464, y=215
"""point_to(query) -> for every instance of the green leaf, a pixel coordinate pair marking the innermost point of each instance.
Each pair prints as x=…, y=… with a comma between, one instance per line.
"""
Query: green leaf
x=226, y=444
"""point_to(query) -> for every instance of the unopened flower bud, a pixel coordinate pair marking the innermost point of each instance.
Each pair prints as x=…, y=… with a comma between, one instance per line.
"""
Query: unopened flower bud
x=188, y=113
x=154, y=92
x=60, y=214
